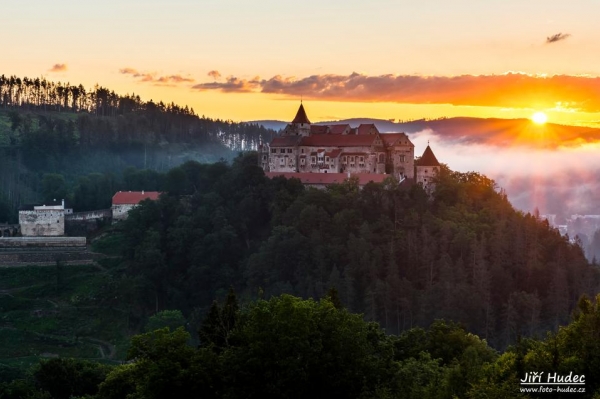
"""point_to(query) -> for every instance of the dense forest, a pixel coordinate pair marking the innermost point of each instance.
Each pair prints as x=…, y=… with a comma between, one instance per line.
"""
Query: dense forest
x=395, y=255
x=59, y=128
x=286, y=347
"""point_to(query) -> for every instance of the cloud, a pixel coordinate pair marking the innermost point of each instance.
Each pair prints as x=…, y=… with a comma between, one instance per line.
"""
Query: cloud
x=151, y=77
x=214, y=74
x=231, y=85
x=58, y=68
x=556, y=38
x=510, y=90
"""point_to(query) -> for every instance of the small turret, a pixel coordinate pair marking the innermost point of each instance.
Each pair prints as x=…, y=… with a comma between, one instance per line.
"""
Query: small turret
x=427, y=167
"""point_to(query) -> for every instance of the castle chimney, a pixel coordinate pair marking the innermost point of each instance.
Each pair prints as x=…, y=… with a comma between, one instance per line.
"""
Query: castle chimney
x=63, y=203
x=142, y=192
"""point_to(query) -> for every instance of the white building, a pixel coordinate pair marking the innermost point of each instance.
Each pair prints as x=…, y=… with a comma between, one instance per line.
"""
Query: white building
x=43, y=220
x=124, y=201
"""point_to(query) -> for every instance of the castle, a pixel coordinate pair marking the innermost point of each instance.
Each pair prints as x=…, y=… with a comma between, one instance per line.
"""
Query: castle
x=304, y=148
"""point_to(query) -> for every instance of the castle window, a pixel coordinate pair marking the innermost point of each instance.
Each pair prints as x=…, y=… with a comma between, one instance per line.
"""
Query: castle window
x=282, y=161
x=402, y=158
x=313, y=160
x=362, y=159
x=352, y=159
x=264, y=157
x=302, y=150
x=344, y=159
x=302, y=160
x=282, y=151
x=289, y=150
x=381, y=158
x=326, y=159
x=273, y=150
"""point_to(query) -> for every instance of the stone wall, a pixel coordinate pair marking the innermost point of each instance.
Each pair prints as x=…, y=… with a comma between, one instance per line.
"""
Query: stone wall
x=47, y=222
x=19, y=251
x=9, y=230
x=42, y=242
x=90, y=215
x=35, y=258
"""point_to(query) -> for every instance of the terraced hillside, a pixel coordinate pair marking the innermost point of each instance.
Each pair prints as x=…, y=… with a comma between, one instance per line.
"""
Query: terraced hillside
x=59, y=311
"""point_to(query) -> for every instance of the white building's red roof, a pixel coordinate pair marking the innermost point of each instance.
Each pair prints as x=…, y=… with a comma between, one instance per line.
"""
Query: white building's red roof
x=133, y=197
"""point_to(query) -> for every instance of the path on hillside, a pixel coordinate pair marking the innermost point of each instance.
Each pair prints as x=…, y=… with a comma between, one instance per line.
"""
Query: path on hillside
x=112, y=350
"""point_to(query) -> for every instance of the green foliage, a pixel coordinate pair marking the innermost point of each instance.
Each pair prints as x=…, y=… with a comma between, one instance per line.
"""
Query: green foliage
x=172, y=319
x=390, y=252
x=66, y=378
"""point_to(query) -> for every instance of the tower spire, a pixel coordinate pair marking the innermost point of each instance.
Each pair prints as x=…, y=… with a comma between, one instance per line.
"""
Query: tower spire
x=301, y=115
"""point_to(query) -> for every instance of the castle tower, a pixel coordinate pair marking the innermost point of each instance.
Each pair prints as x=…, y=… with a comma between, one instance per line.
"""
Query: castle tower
x=427, y=167
x=300, y=126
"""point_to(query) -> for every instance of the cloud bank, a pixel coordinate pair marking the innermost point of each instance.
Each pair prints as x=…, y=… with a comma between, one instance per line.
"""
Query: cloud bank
x=511, y=90
x=152, y=77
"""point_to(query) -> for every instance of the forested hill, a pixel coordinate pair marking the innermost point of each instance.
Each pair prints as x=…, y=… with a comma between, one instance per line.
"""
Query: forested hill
x=48, y=127
x=392, y=253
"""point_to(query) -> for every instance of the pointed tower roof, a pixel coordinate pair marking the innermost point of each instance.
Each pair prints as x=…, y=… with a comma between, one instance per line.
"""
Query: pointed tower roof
x=428, y=159
x=301, y=116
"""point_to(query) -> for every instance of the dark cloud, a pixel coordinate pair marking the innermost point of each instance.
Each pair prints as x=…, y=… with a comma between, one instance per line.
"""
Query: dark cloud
x=558, y=37
x=147, y=77
x=214, y=74
x=58, y=68
x=511, y=90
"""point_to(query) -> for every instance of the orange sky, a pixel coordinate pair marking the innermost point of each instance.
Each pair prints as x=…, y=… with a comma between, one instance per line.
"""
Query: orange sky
x=392, y=60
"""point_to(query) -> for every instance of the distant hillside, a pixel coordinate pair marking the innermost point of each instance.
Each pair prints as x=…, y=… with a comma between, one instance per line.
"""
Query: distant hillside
x=467, y=129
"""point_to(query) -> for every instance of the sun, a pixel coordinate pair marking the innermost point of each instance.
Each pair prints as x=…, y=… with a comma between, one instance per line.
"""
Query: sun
x=539, y=117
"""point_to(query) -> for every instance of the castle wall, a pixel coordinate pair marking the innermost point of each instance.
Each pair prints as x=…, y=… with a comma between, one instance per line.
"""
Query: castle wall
x=284, y=159
x=403, y=161
x=42, y=222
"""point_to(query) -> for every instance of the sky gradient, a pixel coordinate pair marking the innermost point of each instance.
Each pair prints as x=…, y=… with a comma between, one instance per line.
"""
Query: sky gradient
x=242, y=60
x=402, y=52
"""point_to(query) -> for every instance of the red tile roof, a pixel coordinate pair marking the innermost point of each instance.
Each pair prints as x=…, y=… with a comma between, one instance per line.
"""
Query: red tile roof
x=133, y=197
x=365, y=128
x=319, y=129
x=333, y=154
x=301, y=116
x=330, y=140
x=428, y=158
x=392, y=138
x=285, y=141
x=338, y=129
x=329, y=178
